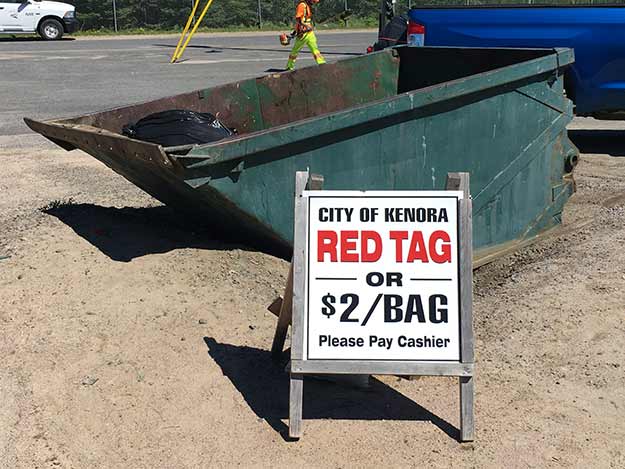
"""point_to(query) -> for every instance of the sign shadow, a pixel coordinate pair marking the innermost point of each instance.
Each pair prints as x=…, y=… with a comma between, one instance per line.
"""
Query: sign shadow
x=265, y=387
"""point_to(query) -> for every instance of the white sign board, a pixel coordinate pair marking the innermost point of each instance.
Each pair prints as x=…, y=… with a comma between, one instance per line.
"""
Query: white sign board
x=382, y=276
x=380, y=283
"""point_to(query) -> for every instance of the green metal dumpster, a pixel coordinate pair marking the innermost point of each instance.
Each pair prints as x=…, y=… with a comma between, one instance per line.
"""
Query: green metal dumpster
x=397, y=119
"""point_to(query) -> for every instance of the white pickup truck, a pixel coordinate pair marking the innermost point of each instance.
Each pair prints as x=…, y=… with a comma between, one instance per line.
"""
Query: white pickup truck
x=50, y=19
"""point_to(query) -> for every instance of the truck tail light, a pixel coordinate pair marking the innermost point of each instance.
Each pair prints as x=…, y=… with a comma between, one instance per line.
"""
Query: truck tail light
x=416, y=34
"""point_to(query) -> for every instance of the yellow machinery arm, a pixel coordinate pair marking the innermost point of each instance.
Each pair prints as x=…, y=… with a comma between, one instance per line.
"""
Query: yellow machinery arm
x=182, y=46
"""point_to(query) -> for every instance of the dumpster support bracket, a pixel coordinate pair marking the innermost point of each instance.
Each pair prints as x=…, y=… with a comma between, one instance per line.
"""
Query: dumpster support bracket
x=523, y=159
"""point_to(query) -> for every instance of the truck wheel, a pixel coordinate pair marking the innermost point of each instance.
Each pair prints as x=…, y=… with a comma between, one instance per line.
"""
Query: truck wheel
x=51, y=30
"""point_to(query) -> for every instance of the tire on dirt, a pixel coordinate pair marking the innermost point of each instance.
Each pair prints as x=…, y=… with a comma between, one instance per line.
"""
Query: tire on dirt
x=50, y=29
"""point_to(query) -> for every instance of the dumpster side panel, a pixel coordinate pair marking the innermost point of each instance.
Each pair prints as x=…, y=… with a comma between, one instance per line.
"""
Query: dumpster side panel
x=150, y=169
x=505, y=137
x=236, y=103
x=143, y=164
x=260, y=103
x=506, y=126
x=315, y=91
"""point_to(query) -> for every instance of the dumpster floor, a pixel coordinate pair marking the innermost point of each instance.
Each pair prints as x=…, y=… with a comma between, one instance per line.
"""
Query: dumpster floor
x=130, y=342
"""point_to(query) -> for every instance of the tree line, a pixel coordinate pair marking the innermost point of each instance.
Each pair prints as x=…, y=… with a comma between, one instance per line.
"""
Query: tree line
x=173, y=14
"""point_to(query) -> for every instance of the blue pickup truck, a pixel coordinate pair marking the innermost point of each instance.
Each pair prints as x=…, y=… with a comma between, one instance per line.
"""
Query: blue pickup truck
x=595, y=82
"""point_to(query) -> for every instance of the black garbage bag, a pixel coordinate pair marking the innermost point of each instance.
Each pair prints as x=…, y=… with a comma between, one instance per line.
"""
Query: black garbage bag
x=178, y=127
x=393, y=34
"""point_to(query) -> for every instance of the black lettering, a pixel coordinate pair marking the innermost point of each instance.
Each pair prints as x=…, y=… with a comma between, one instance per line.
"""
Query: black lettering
x=393, y=278
x=420, y=215
x=375, y=279
x=415, y=214
x=432, y=212
x=352, y=306
x=323, y=214
x=437, y=314
x=365, y=214
x=392, y=308
x=348, y=213
x=415, y=308
x=442, y=215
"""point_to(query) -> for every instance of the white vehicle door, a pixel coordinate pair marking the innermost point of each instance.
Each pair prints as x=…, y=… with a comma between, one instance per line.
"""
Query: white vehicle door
x=18, y=15
x=5, y=9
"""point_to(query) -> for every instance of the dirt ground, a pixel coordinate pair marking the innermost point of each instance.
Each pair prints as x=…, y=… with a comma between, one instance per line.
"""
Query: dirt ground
x=130, y=340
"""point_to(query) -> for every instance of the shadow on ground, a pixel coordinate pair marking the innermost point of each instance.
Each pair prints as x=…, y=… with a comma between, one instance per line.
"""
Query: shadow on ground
x=610, y=142
x=214, y=49
x=126, y=233
x=265, y=387
x=31, y=39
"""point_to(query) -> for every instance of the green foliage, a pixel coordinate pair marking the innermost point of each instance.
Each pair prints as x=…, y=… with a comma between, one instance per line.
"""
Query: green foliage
x=171, y=15
x=168, y=15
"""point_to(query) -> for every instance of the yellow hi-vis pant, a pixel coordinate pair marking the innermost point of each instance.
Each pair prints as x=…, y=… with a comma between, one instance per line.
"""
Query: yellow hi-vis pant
x=307, y=39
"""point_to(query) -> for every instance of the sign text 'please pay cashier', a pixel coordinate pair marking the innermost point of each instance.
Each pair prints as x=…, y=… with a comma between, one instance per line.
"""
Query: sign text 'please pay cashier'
x=382, y=276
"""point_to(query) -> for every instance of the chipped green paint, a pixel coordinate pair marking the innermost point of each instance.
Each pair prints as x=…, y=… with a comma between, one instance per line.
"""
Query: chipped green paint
x=397, y=119
x=506, y=126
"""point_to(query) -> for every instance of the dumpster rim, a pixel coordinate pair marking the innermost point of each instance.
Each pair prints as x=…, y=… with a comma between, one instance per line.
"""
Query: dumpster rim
x=252, y=143
x=225, y=150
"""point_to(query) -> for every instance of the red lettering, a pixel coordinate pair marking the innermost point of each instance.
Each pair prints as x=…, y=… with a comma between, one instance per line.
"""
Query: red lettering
x=398, y=236
x=367, y=246
x=326, y=244
x=348, y=243
x=444, y=255
x=371, y=256
x=417, y=249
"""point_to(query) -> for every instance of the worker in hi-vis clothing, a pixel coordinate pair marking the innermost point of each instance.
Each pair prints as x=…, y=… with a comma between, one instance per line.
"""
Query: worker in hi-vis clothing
x=305, y=35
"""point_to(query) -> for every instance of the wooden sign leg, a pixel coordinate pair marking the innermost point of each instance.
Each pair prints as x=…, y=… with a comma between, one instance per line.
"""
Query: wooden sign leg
x=303, y=180
x=460, y=181
x=296, y=398
x=466, y=408
x=284, y=319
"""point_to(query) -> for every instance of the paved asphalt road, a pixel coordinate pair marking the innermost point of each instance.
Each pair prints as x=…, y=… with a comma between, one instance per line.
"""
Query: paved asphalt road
x=71, y=77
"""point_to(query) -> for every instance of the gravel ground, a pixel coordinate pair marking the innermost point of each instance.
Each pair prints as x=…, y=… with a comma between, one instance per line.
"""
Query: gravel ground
x=132, y=340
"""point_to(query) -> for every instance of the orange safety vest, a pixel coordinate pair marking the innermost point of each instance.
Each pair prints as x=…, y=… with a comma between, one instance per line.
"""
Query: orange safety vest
x=303, y=17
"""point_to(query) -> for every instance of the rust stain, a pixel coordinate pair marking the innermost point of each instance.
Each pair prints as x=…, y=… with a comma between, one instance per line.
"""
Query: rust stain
x=375, y=83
